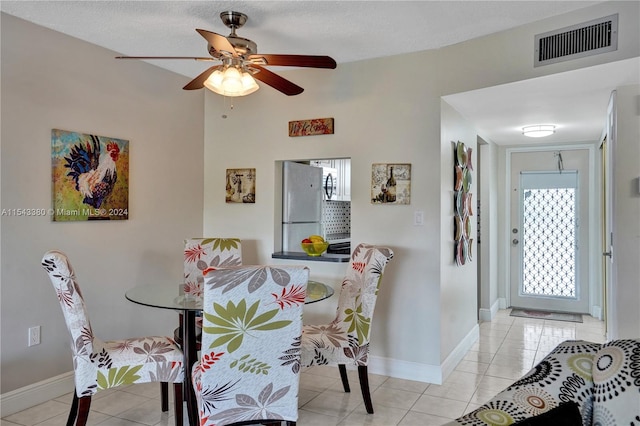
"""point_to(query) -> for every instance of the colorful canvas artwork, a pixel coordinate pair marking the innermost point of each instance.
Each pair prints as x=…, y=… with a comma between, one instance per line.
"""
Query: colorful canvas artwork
x=391, y=183
x=241, y=186
x=462, y=205
x=90, y=177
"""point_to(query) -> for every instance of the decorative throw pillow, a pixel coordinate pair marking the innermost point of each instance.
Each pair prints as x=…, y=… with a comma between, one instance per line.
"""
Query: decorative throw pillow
x=616, y=383
x=565, y=414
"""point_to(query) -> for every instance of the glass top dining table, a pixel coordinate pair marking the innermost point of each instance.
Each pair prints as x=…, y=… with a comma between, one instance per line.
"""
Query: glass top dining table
x=171, y=296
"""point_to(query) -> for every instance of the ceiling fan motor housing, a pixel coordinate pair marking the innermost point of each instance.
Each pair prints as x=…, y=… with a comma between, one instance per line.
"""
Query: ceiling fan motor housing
x=243, y=46
x=233, y=19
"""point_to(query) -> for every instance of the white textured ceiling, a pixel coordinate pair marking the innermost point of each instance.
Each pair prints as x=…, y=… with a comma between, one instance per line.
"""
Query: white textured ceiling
x=345, y=30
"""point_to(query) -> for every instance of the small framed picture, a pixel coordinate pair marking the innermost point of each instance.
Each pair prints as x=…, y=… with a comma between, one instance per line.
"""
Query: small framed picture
x=390, y=183
x=241, y=186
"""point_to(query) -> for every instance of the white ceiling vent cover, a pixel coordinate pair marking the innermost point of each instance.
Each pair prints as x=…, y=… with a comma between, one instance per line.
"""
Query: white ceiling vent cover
x=577, y=41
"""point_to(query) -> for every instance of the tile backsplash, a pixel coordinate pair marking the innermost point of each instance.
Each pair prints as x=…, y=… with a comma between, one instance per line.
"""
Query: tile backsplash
x=336, y=217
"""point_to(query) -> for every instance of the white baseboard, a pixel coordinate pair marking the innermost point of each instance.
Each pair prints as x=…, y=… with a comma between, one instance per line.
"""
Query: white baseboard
x=502, y=302
x=428, y=373
x=37, y=393
x=460, y=351
x=488, y=314
x=596, y=312
x=405, y=370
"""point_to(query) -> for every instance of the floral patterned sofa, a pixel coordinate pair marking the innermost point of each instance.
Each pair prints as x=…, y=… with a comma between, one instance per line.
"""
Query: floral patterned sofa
x=578, y=383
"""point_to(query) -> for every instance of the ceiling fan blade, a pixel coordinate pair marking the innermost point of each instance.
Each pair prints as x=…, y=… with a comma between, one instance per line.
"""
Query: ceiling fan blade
x=198, y=82
x=196, y=58
x=218, y=42
x=277, y=82
x=310, y=61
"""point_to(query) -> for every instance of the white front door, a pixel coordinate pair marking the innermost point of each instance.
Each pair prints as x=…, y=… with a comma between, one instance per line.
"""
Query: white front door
x=546, y=253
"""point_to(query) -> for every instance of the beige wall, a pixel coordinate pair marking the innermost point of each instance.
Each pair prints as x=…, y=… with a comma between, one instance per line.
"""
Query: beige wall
x=53, y=81
x=488, y=248
x=626, y=169
x=458, y=284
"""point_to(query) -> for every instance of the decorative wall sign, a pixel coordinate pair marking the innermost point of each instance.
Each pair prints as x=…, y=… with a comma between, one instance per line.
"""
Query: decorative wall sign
x=241, y=186
x=316, y=126
x=90, y=176
x=391, y=183
x=462, y=205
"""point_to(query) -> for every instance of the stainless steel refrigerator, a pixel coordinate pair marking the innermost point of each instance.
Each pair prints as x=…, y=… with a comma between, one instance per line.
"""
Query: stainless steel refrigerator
x=302, y=204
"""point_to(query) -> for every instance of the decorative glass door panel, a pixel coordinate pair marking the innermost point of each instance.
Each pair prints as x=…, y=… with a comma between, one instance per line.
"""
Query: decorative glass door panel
x=549, y=241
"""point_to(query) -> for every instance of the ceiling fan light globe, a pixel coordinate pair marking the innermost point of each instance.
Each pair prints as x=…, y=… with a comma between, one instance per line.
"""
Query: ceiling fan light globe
x=216, y=78
x=214, y=82
x=249, y=84
x=232, y=81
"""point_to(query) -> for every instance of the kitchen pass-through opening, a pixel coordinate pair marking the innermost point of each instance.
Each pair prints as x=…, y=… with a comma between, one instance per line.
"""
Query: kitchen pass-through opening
x=311, y=205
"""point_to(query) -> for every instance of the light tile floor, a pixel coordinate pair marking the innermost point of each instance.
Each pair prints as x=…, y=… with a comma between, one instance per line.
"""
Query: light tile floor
x=507, y=348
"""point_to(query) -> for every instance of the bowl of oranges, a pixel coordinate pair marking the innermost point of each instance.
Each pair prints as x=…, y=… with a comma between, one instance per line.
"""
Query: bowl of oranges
x=314, y=245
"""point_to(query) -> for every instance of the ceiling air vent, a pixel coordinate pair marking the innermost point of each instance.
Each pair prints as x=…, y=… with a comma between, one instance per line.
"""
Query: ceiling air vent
x=577, y=41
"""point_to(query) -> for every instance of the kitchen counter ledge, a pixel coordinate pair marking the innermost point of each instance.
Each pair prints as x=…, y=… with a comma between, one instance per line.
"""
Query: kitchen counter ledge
x=294, y=255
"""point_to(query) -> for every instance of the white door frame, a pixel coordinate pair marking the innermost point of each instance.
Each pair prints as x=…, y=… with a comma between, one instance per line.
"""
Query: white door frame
x=593, y=224
x=611, y=135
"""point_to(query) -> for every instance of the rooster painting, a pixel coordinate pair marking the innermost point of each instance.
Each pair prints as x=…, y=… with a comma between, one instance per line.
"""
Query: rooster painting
x=94, y=174
x=90, y=176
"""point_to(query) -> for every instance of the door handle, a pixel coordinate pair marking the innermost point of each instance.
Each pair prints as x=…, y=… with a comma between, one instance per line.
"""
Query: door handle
x=607, y=253
x=328, y=186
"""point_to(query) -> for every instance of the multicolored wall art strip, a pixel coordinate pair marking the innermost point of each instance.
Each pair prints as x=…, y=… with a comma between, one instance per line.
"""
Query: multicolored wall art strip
x=462, y=203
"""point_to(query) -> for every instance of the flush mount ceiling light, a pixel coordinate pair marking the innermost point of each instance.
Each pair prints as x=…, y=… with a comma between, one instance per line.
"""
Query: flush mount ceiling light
x=539, y=130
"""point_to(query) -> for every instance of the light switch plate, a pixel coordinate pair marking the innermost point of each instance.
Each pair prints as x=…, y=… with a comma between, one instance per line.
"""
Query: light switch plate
x=418, y=218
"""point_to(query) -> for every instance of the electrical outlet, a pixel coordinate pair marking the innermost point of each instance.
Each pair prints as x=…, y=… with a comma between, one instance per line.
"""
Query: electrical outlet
x=34, y=335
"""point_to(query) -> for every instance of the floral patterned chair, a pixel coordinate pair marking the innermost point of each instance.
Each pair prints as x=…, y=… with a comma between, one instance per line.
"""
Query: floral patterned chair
x=345, y=341
x=102, y=365
x=201, y=254
x=250, y=360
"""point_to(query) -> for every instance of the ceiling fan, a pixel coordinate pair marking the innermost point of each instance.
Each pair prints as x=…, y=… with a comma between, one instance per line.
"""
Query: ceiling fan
x=241, y=63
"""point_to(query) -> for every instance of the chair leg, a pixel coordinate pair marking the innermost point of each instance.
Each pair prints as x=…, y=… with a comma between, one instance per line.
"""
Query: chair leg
x=364, y=387
x=84, y=404
x=343, y=376
x=164, y=396
x=74, y=410
x=178, y=400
